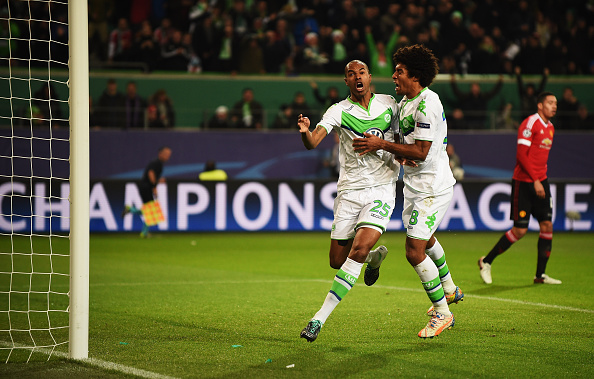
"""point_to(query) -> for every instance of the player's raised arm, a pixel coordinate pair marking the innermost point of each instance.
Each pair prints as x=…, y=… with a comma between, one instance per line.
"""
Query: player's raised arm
x=310, y=139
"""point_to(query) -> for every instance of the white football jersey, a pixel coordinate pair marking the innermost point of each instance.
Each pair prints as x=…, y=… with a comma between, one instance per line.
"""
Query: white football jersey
x=350, y=120
x=423, y=118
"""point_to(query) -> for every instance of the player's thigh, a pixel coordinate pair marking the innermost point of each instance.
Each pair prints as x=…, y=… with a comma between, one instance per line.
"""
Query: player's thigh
x=371, y=208
x=346, y=213
x=423, y=213
x=542, y=209
x=523, y=198
x=378, y=206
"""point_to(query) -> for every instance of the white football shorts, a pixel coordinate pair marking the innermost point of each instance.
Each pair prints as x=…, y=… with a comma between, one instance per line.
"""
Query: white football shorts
x=422, y=213
x=362, y=208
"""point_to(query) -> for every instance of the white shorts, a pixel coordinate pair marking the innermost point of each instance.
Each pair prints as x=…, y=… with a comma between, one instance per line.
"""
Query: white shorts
x=369, y=208
x=422, y=213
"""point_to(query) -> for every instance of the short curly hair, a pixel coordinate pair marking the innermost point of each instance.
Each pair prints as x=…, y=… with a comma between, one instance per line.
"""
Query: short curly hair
x=419, y=61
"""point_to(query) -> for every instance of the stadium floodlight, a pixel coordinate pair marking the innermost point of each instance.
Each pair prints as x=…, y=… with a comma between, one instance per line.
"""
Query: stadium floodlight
x=44, y=176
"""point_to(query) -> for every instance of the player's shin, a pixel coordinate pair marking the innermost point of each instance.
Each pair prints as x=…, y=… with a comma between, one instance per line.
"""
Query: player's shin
x=437, y=255
x=345, y=279
x=429, y=275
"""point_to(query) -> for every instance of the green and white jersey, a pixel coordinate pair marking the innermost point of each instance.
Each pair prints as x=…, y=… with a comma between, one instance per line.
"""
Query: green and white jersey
x=423, y=118
x=350, y=120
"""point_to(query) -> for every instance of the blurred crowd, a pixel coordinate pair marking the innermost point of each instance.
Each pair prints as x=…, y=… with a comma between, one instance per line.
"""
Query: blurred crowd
x=505, y=37
x=318, y=36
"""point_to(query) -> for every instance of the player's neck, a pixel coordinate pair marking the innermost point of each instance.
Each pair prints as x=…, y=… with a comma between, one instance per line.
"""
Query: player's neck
x=363, y=100
x=414, y=92
x=545, y=119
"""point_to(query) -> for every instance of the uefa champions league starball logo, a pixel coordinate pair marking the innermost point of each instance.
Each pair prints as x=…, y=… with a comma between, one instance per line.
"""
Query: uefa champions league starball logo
x=376, y=132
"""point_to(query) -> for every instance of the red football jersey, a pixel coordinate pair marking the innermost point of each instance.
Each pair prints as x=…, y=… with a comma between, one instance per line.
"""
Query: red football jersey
x=535, y=139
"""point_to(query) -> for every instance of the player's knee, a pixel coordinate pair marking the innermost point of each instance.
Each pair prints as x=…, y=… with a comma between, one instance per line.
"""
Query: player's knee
x=546, y=227
x=359, y=253
x=336, y=263
x=519, y=232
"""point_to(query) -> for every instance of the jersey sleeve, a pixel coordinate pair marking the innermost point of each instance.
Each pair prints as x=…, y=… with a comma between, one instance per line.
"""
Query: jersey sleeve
x=425, y=123
x=331, y=118
x=523, y=149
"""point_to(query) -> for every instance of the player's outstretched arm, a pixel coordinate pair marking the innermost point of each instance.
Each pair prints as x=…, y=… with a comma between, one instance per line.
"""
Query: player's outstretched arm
x=310, y=139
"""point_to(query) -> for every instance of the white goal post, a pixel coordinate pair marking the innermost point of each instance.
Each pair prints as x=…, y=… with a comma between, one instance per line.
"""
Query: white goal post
x=44, y=180
x=79, y=179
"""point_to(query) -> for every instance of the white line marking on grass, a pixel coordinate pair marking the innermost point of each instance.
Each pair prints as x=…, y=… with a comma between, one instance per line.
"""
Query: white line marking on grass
x=91, y=361
x=544, y=305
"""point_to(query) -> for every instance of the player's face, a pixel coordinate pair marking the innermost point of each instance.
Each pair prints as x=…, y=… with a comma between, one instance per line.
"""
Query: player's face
x=357, y=78
x=548, y=107
x=405, y=85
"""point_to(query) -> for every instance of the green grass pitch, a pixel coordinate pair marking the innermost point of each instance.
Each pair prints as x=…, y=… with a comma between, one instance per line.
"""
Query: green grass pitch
x=233, y=305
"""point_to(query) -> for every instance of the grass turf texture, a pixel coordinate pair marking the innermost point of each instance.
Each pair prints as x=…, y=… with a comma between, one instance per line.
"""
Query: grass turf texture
x=232, y=305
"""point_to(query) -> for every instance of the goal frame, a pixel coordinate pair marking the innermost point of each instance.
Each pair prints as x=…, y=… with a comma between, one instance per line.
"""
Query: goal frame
x=78, y=67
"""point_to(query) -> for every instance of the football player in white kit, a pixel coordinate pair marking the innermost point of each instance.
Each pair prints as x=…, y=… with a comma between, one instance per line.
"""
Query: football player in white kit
x=366, y=188
x=428, y=185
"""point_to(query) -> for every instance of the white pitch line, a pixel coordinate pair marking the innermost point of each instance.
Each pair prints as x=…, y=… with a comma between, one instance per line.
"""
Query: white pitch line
x=118, y=367
x=523, y=302
x=91, y=361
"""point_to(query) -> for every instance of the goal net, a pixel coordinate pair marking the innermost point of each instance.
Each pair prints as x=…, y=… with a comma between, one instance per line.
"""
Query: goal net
x=42, y=276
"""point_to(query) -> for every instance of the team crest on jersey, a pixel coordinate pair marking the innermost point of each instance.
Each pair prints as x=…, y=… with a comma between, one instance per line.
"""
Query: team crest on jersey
x=527, y=133
x=407, y=125
x=376, y=132
x=546, y=143
x=387, y=118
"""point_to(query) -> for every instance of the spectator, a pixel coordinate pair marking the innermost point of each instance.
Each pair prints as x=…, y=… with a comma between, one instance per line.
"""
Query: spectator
x=275, y=52
x=585, y=120
x=529, y=93
x=163, y=32
x=228, y=49
x=194, y=62
x=457, y=121
x=100, y=12
x=332, y=95
x=474, y=103
x=48, y=106
x=164, y=115
x=283, y=119
x=251, y=56
x=312, y=59
x=145, y=48
x=175, y=55
x=504, y=119
x=567, y=109
x=204, y=42
x=380, y=53
x=120, y=42
x=247, y=113
x=220, y=119
x=135, y=107
x=299, y=106
x=110, y=107
x=338, y=53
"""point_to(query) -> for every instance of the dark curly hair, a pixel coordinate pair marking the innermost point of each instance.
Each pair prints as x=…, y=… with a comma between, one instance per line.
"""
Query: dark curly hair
x=419, y=61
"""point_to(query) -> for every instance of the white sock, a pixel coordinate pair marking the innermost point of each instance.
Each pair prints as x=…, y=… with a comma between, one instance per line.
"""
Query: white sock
x=429, y=276
x=437, y=255
x=339, y=288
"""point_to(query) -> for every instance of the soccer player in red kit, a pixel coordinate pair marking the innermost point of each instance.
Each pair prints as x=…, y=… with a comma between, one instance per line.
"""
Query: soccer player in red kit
x=531, y=194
